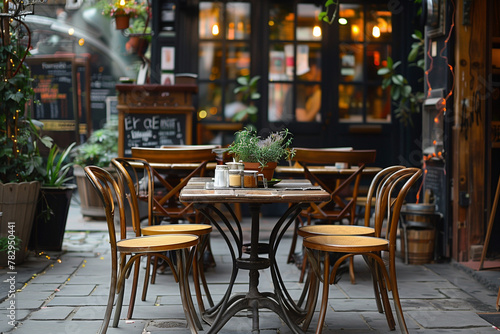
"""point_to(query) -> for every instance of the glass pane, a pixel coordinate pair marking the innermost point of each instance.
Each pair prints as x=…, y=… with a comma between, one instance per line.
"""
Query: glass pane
x=238, y=20
x=209, y=101
x=378, y=105
x=308, y=103
x=233, y=102
x=351, y=60
x=281, y=21
x=309, y=62
x=281, y=62
x=375, y=56
x=210, y=20
x=378, y=24
x=237, y=60
x=350, y=103
x=351, y=22
x=210, y=60
x=280, y=106
x=308, y=26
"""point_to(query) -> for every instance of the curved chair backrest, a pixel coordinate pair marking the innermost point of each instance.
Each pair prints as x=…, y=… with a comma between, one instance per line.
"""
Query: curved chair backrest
x=135, y=178
x=106, y=185
x=178, y=154
x=388, y=208
x=375, y=187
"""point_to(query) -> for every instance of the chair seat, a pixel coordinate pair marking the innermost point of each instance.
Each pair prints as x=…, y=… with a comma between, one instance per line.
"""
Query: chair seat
x=346, y=244
x=196, y=229
x=317, y=230
x=160, y=243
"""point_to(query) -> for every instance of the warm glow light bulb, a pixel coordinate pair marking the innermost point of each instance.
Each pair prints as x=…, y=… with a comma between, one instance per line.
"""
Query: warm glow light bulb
x=202, y=114
x=317, y=31
x=342, y=21
x=376, y=32
x=122, y=3
x=71, y=31
x=215, y=29
x=81, y=41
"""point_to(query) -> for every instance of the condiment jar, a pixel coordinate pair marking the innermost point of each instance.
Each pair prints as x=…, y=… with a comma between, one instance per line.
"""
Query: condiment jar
x=235, y=178
x=221, y=179
x=250, y=179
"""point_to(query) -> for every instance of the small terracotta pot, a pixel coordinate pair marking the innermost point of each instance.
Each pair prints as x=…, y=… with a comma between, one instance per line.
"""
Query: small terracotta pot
x=268, y=171
x=122, y=22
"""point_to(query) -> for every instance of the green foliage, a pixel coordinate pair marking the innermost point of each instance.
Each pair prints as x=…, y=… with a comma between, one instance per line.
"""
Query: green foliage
x=56, y=167
x=20, y=159
x=4, y=244
x=114, y=8
x=404, y=98
x=99, y=149
x=330, y=13
x=248, y=90
x=248, y=147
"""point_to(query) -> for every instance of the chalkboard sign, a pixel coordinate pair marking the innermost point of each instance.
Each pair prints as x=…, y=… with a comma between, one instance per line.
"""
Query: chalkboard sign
x=154, y=115
x=56, y=89
x=153, y=130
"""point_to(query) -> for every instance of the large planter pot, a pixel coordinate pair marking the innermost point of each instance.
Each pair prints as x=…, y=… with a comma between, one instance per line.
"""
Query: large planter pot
x=50, y=219
x=268, y=171
x=90, y=202
x=17, y=206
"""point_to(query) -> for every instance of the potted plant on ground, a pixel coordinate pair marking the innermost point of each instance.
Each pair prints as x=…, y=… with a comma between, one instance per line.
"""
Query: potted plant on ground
x=53, y=203
x=98, y=150
x=261, y=154
x=21, y=166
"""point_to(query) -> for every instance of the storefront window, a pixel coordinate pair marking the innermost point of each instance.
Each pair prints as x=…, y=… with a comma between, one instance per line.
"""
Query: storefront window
x=294, y=91
x=222, y=61
x=365, y=37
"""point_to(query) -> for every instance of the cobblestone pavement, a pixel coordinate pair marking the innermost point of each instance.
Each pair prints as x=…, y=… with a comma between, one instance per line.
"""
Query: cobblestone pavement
x=67, y=292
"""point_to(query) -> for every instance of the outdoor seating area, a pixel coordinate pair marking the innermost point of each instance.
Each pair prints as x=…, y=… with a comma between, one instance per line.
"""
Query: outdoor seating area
x=251, y=283
x=302, y=166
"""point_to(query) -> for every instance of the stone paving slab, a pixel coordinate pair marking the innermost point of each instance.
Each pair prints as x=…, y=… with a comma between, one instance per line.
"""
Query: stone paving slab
x=69, y=296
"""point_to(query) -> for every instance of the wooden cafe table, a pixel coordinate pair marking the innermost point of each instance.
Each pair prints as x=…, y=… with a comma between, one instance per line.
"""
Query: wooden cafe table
x=298, y=193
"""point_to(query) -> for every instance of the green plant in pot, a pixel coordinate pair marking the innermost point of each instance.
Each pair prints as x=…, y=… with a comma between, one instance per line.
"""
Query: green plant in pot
x=262, y=154
x=21, y=166
x=54, y=202
x=98, y=150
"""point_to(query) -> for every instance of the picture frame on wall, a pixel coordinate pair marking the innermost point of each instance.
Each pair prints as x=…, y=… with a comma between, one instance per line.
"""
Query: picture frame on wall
x=167, y=79
x=167, y=58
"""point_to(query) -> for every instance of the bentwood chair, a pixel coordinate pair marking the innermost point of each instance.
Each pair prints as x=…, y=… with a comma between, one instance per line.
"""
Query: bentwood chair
x=312, y=230
x=353, y=230
x=173, y=167
x=126, y=252
x=342, y=184
x=136, y=176
x=372, y=248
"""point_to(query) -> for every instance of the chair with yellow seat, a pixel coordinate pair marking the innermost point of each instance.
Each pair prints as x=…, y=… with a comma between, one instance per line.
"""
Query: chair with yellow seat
x=136, y=175
x=342, y=184
x=372, y=248
x=310, y=289
x=127, y=252
x=369, y=201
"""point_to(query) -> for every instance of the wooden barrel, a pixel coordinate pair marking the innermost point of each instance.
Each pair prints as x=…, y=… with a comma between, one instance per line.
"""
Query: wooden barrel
x=420, y=245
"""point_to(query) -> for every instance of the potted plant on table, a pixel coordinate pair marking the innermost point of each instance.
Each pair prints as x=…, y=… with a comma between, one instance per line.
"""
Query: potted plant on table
x=98, y=150
x=53, y=203
x=262, y=154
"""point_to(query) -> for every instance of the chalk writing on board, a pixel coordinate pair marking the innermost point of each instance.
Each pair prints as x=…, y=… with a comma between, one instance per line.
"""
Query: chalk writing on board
x=146, y=130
